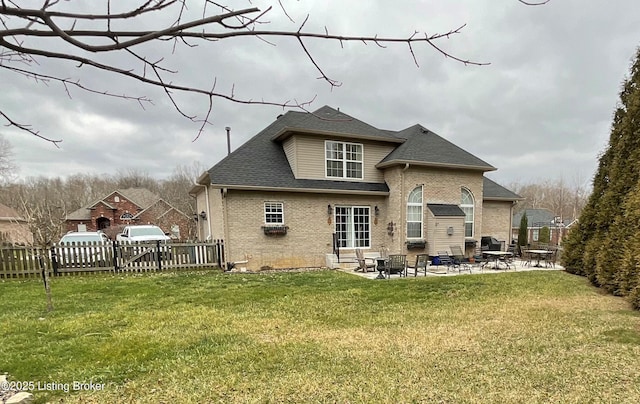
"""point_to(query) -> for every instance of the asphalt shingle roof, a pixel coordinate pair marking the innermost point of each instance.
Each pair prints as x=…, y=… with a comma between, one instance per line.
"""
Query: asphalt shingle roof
x=537, y=218
x=9, y=214
x=495, y=191
x=440, y=209
x=142, y=197
x=261, y=161
x=425, y=147
x=329, y=120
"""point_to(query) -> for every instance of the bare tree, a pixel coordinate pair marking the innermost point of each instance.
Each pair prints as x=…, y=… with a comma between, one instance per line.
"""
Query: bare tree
x=564, y=200
x=174, y=188
x=7, y=166
x=57, y=31
x=45, y=202
x=134, y=178
x=41, y=201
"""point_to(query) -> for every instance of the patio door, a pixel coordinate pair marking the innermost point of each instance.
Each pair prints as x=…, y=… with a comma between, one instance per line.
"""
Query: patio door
x=353, y=228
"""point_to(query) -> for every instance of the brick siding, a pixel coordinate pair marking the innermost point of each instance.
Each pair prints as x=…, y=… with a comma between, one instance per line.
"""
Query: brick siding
x=238, y=217
x=161, y=214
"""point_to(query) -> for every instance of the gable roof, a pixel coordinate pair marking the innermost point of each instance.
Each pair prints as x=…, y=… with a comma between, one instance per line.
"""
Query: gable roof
x=492, y=191
x=261, y=163
x=10, y=214
x=538, y=218
x=329, y=121
x=141, y=197
x=423, y=147
x=162, y=206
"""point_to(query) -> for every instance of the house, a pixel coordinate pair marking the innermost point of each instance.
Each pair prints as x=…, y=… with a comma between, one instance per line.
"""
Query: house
x=539, y=218
x=13, y=227
x=311, y=186
x=131, y=206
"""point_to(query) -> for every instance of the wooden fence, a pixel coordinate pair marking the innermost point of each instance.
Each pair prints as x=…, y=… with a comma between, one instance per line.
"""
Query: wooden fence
x=86, y=258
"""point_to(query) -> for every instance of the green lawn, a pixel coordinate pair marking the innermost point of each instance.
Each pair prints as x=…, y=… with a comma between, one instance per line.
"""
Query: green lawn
x=322, y=336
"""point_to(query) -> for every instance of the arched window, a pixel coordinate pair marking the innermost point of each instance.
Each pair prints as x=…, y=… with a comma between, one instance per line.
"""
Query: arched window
x=467, y=206
x=414, y=213
x=126, y=216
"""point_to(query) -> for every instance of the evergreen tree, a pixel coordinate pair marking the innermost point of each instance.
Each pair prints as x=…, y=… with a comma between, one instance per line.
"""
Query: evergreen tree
x=523, y=231
x=603, y=245
x=545, y=235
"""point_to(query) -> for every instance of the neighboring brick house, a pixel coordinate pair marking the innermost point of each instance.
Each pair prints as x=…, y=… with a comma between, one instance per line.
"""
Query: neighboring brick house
x=539, y=218
x=282, y=198
x=13, y=227
x=131, y=206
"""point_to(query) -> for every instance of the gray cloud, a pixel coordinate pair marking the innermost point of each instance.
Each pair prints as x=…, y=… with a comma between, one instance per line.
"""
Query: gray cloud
x=542, y=109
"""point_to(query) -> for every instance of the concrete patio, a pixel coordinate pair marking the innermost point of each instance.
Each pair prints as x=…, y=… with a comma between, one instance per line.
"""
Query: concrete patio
x=441, y=270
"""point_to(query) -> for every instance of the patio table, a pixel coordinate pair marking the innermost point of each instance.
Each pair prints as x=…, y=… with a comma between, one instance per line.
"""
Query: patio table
x=495, y=256
x=540, y=254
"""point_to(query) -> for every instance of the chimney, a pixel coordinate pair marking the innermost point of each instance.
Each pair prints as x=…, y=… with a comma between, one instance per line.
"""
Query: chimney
x=228, y=129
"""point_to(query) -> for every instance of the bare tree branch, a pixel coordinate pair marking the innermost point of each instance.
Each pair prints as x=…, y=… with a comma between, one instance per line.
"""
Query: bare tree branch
x=534, y=3
x=27, y=128
x=20, y=26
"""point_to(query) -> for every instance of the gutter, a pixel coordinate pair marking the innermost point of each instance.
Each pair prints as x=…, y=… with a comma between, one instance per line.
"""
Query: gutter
x=390, y=163
x=301, y=190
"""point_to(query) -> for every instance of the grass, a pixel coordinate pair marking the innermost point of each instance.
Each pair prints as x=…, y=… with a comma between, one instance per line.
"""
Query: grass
x=322, y=337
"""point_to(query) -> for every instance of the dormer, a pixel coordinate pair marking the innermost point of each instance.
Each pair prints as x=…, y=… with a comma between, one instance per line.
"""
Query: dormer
x=335, y=147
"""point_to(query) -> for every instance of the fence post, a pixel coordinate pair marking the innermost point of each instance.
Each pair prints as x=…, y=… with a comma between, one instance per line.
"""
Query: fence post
x=219, y=252
x=159, y=255
x=116, y=250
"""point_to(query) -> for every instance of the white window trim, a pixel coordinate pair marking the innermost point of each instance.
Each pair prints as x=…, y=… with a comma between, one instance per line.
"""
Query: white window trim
x=473, y=207
x=421, y=205
x=352, y=207
x=344, y=160
x=265, y=213
x=126, y=216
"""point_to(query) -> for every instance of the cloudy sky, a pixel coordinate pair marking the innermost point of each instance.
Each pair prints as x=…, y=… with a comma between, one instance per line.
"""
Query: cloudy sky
x=541, y=110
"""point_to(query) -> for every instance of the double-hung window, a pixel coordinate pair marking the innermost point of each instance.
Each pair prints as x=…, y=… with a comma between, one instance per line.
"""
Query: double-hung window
x=353, y=227
x=343, y=160
x=414, y=213
x=274, y=213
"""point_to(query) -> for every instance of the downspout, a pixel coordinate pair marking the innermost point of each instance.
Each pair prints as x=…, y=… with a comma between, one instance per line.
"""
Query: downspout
x=198, y=235
x=208, y=209
x=225, y=229
x=206, y=197
x=513, y=204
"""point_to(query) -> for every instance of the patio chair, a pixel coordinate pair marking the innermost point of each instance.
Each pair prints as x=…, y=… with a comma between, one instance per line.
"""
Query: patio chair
x=445, y=259
x=363, y=265
x=508, y=261
x=397, y=264
x=459, y=259
x=526, y=258
x=422, y=262
x=551, y=258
